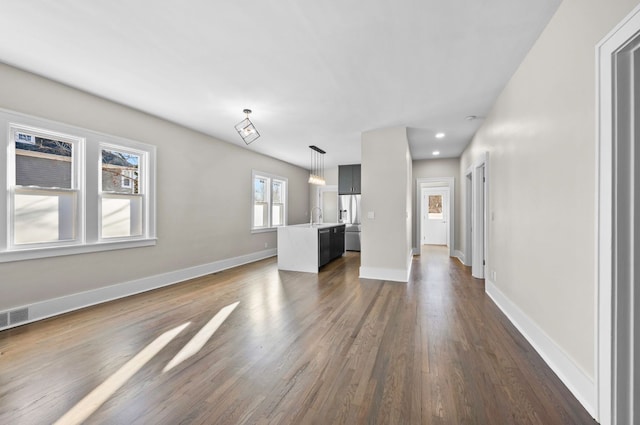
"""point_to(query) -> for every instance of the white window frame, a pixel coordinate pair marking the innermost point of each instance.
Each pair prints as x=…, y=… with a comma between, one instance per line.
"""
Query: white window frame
x=77, y=185
x=270, y=177
x=143, y=183
x=87, y=164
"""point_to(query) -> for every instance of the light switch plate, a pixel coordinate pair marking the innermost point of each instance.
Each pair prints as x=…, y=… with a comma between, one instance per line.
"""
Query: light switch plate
x=371, y=215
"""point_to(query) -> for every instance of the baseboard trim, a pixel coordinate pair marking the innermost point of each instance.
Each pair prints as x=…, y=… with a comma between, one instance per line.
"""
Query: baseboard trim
x=573, y=377
x=460, y=256
x=56, y=306
x=394, y=275
x=415, y=251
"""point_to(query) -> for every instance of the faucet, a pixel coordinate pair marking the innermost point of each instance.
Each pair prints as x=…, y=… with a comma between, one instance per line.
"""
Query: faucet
x=319, y=214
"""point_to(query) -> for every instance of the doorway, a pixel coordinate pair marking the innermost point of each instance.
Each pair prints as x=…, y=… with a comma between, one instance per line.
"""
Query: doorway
x=618, y=339
x=435, y=213
x=434, y=183
x=328, y=203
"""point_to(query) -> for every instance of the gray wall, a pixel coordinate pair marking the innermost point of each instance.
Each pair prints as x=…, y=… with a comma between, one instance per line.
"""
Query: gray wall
x=386, y=191
x=540, y=137
x=203, y=195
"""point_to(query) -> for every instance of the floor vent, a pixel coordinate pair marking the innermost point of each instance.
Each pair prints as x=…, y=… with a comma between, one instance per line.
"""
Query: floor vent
x=4, y=320
x=18, y=316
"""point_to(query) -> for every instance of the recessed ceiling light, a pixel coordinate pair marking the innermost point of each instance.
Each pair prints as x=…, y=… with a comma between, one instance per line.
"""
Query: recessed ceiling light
x=439, y=135
x=435, y=153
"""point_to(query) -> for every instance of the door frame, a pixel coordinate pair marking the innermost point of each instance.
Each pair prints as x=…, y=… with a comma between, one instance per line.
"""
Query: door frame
x=427, y=182
x=612, y=197
x=443, y=190
x=477, y=249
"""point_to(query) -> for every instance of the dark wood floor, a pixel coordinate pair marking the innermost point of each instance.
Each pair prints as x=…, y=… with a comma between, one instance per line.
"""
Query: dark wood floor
x=298, y=349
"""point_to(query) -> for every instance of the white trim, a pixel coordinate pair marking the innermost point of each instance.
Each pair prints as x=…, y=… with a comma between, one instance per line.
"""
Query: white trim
x=448, y=182
x=604, y=265
x=61, y=251
x=572, y=375
x=468, y=215
x=480, y=201
x=53, y=307
x=381, y=273
x=460, y=256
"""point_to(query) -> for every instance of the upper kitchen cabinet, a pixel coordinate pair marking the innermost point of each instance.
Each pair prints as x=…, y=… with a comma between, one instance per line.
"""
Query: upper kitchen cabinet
x=349, y=179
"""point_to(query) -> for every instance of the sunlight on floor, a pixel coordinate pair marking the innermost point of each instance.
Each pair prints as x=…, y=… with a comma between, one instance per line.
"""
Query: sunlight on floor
x=85, y=407
x=201, y=338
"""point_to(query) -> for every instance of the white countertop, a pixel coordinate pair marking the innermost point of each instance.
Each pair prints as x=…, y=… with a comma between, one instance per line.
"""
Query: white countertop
x=316, y=225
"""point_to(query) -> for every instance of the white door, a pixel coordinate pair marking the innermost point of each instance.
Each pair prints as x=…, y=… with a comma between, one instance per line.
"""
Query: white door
x=435, y=211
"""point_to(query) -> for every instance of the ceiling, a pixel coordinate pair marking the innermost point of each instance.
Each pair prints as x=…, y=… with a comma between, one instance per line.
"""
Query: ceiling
x=313, y=72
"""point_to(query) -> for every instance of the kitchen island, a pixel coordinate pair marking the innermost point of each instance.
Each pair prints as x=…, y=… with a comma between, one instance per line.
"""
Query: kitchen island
x=307, y=247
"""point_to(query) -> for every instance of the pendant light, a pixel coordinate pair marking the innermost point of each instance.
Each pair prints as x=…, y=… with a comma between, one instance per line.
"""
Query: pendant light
x=246, y=129
x=316, y=175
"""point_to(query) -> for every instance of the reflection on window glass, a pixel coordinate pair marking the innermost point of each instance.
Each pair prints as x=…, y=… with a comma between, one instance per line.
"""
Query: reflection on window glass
x=435, y=207
x=42, y=217
x=120, y=172
x=259, y=215
x=42, y=162
x=121, y=216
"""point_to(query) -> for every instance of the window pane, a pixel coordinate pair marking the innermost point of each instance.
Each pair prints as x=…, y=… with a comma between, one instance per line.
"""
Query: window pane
x=41, y=217
x=42, y=162
x=260, y=189
x=435, y=207
x=120, y=172
x=260, y=214
x=278, y=214
x=121, y=216
x=276, y=194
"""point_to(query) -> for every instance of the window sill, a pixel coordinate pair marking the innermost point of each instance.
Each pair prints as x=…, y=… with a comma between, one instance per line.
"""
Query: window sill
x=59, y=251
x=270, y=229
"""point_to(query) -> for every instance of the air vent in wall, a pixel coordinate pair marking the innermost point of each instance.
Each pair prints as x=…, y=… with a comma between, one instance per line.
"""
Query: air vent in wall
x=4, y=320
x=17, y=316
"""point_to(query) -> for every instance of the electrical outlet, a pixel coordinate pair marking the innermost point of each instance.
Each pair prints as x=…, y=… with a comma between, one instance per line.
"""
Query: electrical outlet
x=493, y=275
x=266, y=244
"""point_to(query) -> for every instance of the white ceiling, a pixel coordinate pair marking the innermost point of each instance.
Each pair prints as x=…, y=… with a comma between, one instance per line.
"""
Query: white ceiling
x=314, y=72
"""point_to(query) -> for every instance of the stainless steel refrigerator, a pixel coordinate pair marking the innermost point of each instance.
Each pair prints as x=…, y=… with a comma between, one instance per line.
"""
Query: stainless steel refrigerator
x=349, y=214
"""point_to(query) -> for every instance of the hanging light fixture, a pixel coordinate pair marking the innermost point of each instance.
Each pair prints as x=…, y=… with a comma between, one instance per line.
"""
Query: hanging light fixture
x=246, y=129
x=316, y=176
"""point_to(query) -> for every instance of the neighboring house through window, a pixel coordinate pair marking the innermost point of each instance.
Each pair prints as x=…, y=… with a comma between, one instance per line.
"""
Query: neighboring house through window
x=269, y=206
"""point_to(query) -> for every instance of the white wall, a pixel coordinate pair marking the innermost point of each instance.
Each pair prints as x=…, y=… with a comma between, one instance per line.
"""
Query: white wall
x=433, y=168
x=203, y=192
x=386, y=192
x=540, y=137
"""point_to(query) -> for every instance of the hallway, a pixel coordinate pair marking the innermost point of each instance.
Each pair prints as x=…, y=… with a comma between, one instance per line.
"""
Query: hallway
x=298, y=349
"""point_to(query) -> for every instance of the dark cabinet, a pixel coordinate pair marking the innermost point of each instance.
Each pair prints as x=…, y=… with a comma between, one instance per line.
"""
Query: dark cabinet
x=337, y=241
x=349, y=179
x=330, y=244
x=324, y=248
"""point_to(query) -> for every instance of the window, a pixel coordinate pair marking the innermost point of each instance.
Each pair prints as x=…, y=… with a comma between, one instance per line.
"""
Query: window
x=44, y=187
x=435, y=207
x=269, y=206
x=121, y=195
x=69, y=190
